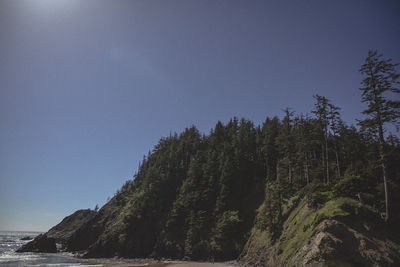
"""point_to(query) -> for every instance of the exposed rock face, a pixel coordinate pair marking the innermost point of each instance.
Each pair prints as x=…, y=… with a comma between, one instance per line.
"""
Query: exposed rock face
x=340, y=233
x=354, y=244
x=41, y=243
x=57, y=237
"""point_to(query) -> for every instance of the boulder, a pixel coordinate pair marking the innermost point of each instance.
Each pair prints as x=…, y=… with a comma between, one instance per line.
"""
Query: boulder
x=41, y=243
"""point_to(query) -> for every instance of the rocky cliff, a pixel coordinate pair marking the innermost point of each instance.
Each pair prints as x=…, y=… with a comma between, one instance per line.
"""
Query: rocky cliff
x=341, y=232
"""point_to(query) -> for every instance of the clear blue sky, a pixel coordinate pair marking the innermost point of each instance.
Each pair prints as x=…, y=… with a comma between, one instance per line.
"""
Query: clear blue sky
x=88, y=87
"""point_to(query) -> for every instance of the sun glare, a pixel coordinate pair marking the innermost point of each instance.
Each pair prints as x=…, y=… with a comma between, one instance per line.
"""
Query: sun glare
x=54, y=4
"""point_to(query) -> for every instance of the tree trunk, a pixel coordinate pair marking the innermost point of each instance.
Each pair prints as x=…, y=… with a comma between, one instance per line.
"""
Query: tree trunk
x=323, y=163
x=383, y=165
x=327, y=156
x=277, y=173
x=337, y=161
x=306, y=168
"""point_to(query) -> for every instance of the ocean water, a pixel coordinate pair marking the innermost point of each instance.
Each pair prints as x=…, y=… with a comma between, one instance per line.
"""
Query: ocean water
x=11, y=241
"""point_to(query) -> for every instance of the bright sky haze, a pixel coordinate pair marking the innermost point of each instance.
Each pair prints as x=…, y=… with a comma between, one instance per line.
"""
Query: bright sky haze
x=88, y=87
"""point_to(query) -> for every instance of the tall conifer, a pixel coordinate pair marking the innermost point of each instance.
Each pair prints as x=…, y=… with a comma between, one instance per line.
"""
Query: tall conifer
x=380, y=79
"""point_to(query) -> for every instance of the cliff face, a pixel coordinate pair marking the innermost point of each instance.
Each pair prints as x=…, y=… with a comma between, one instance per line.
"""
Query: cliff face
x=339, y=233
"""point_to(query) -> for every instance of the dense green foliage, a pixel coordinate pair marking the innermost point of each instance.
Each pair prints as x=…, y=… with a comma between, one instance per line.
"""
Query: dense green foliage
x=197, y=196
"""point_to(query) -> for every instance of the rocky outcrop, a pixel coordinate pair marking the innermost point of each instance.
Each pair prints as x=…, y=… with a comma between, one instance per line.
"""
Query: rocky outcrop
x=26, y=238
x=56, y=238
x=67, y=227
x=338, y=243
x=339, y=233
x=41, y=243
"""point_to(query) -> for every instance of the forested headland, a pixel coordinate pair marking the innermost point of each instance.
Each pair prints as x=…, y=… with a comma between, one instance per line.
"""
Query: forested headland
x=261, y=192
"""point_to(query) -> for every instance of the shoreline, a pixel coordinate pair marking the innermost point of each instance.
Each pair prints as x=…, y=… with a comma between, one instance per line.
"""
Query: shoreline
x=126, y=262
x=151, y=262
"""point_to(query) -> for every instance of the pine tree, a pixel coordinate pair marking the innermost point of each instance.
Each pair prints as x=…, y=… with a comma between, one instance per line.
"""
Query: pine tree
x=380, y=79
x=303, y=143
x=321, y=112
x=270, y=131
x=336, y=124
x=285, y=143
